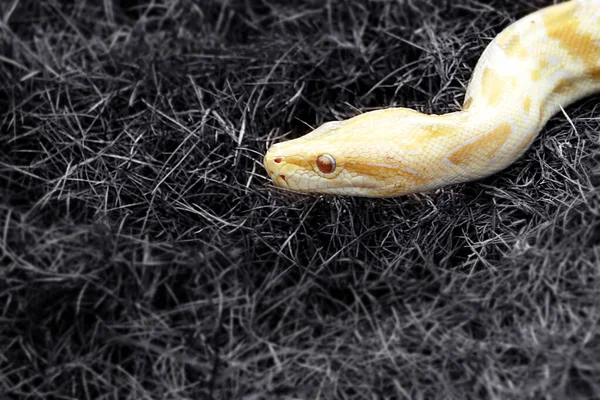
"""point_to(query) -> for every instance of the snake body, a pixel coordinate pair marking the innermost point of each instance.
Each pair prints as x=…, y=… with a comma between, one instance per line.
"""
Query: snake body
x=540, y=63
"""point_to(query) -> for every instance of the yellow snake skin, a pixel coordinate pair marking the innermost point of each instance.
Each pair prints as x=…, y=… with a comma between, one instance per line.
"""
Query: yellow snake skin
x=544, y=61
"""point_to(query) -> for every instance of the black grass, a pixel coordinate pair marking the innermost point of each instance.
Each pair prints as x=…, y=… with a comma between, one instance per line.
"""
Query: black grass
x=145, y=254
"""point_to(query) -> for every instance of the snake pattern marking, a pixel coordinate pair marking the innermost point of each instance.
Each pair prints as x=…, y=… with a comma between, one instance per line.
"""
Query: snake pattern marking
x=544, y=61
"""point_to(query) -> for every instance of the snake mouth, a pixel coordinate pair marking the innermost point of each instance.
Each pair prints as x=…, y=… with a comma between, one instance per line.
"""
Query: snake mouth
x=273, y=165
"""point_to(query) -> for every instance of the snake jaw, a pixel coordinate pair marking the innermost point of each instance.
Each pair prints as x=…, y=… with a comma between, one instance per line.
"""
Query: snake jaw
x=291, y=166
x=294, y=164
x=287, y=164
x=273, y=163
x=297, y=173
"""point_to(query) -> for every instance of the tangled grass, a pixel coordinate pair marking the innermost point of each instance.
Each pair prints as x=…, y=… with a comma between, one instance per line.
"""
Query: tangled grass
x=145, y=255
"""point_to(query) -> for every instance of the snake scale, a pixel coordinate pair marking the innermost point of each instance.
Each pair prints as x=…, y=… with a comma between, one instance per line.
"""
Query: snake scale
x=540, y=63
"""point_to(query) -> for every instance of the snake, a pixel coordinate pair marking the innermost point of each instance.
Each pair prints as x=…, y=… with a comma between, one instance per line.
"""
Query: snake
x=533, y=68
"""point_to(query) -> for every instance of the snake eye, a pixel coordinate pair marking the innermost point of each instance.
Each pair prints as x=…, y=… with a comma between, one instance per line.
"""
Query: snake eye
x=326, y=163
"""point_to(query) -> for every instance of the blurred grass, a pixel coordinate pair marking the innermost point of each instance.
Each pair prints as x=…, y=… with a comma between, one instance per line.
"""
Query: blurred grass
x=145, y=255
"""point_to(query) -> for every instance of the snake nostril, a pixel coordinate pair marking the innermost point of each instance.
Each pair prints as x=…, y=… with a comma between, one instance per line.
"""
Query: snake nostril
x=277, y=160
x=282, y=177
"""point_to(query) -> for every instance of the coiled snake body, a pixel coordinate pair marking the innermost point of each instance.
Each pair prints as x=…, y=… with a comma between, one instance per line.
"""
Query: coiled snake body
x=544, y=61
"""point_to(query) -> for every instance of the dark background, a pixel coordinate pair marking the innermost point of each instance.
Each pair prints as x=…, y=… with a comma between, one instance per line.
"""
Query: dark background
x=145, y=254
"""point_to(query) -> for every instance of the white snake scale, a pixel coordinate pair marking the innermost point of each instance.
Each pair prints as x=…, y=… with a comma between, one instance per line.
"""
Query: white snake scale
x=544, y=61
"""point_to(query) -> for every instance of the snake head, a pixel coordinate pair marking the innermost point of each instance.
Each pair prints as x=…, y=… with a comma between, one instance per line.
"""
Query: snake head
x=353, y=157
x=306, y=164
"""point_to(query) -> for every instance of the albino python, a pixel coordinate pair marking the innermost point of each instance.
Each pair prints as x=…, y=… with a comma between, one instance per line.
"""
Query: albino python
x=544, y=61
